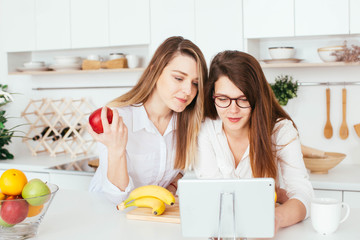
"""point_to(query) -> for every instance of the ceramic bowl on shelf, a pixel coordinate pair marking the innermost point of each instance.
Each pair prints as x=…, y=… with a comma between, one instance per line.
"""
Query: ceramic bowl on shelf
x=322, y=165
x=326, y=54
x=19, y=219
x=34, y=64
x=281, y=52
x=65, y=67
x=70, y=60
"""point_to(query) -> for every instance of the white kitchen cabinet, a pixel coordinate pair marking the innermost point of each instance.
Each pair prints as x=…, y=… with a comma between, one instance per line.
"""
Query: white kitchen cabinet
x=171, y=18
x=218, y=26
x=129, y=22
x=89, y=23
x=268, y=18
x=41, y=175
x=321, y=17
x=18, y=23
x=328, y=194
x=52, y=24
x=352, y=198
x=71, y=181
x=354, y=16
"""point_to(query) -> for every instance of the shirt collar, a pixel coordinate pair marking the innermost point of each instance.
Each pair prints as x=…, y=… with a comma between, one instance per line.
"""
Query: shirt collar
x=140, y=118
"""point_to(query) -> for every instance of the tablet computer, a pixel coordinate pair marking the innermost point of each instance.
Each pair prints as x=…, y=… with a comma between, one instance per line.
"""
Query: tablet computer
x=227, y=207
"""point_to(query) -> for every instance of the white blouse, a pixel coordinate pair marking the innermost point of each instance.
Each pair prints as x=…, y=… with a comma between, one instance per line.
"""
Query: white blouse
x=217, y=161
x=150, y=155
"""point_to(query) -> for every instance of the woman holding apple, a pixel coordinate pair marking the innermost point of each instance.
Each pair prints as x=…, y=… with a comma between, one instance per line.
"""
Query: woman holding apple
x=152, y=137
x=247, y=134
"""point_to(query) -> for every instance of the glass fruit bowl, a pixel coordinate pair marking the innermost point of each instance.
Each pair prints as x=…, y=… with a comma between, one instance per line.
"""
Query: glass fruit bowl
x=20, y=218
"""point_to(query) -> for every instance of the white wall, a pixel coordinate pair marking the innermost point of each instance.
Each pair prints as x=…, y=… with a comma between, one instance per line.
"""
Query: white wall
x=308, y=110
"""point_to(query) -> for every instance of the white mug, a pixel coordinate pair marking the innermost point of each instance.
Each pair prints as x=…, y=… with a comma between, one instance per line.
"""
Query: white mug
x=93, y=57
x=326, y=214
x=132, y=60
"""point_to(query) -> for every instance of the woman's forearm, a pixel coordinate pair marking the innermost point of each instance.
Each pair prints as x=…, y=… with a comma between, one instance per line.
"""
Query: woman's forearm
x=117, y=170
x=172, y=187
x=289, y=213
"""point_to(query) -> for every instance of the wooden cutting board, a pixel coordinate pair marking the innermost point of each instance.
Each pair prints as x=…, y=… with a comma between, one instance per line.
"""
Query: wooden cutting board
x=171, y=214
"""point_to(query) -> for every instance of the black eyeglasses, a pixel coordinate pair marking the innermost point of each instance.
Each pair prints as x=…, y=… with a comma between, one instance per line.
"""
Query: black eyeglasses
x=224, y=101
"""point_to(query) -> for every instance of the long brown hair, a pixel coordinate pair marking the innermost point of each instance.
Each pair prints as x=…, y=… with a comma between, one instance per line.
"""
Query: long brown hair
x=188, y=122
x=245, y=72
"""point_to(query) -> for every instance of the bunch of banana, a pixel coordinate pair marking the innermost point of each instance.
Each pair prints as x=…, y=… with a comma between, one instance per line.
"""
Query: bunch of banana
x=150, y=196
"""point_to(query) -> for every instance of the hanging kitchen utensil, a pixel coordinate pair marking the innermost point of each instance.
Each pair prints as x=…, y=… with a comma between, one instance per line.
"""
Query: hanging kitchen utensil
x=344, y=130
x=328, y=130
x=357, y=129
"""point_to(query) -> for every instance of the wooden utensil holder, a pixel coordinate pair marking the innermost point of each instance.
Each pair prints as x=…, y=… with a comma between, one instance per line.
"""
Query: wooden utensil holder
x=58, y=127
x=111, y=64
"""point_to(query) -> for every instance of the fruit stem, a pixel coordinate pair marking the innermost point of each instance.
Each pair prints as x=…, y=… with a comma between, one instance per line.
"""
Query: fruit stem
x=121, y=206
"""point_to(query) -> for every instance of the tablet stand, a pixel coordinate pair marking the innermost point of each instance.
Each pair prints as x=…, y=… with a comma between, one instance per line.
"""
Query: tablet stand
x=220, y=214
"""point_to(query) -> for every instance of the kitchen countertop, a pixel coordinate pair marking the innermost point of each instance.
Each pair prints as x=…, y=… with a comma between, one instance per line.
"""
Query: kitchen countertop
x=342, y=177
x=85, y=215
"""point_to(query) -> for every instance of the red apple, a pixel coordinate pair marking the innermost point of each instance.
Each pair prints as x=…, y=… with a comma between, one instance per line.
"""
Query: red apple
x=95, y=120
x=14, y=211
x=3, y=223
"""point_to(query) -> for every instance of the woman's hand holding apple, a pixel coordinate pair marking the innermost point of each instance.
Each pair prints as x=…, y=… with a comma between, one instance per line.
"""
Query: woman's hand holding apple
x=114, y=135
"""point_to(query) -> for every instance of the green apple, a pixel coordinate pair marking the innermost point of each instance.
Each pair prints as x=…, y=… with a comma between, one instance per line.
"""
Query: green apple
x=36, y=192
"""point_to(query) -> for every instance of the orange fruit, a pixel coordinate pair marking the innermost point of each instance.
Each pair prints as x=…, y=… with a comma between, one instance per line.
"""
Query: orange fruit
x=2, y=196
x=275, y=197
x=34, y=210
x=12, y=182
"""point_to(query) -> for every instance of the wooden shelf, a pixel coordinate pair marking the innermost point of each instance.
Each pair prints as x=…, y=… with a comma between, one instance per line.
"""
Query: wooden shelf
x=78, y=71
x=306, y=64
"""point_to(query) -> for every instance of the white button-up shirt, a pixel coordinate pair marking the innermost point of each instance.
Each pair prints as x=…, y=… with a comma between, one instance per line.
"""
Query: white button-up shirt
x=217, y=161
x=150, y=155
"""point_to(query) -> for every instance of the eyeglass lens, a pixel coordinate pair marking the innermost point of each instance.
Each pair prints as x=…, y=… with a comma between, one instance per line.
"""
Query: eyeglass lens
x=224, y=102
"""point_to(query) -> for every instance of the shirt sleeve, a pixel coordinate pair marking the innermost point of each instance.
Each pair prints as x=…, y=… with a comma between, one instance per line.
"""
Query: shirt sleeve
x=206, y=164
x=100, y=182
x=293, y=172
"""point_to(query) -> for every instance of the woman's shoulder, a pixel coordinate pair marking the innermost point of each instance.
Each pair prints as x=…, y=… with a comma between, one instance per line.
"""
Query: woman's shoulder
x=284, y=131
x=284, y=123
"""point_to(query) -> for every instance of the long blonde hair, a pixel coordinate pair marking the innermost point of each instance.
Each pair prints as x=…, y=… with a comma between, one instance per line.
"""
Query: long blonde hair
x=188, y=121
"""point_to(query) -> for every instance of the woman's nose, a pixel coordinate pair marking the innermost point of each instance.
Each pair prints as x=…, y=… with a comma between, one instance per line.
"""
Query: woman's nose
x=233, y=106
x=186, y=88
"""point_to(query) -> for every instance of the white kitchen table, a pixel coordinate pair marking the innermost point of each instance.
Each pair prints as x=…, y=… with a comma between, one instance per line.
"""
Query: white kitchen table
x=84, y=215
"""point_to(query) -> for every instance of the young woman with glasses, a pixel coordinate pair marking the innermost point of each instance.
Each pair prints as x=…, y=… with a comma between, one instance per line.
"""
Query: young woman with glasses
x=246, y=134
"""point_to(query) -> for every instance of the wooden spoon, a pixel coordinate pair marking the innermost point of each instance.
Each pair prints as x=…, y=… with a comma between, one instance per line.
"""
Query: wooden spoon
x=344, y=130
x=357, y=129
x=328, y=130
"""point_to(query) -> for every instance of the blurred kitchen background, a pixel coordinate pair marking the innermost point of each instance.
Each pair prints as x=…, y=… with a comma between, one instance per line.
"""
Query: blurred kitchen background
x=39, y=30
